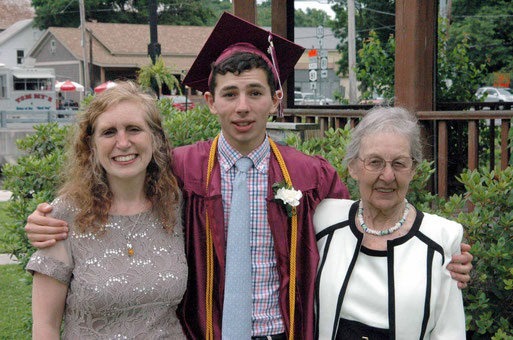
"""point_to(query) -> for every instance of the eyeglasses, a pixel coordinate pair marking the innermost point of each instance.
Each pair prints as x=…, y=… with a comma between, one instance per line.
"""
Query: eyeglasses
x=376, y=164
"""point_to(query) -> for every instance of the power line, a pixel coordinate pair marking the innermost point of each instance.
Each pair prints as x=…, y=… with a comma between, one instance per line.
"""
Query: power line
x=313, y=36
x=390, y=27
x=484, y=16
x=378, y=28
x=362, y=6
x=377, y=11
x=69, y=3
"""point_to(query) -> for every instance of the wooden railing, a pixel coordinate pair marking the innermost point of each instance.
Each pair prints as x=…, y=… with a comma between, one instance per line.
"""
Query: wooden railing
x=336, y=117
x=14, y=118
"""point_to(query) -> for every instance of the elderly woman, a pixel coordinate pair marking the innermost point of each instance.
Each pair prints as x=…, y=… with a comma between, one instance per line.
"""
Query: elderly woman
x=122, y=271
x=382, y=272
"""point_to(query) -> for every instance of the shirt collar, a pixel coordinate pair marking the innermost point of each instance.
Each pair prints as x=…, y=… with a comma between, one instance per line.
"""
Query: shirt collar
x=228, y=155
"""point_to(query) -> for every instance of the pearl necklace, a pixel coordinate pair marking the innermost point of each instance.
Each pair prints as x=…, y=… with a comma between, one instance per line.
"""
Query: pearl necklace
x=382, y=232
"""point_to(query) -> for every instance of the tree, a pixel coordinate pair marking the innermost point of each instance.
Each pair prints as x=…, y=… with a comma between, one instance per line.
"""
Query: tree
x=375, y=69
x=264, y=13
x=158, y=73
x=65, y=13
x=370, y=15
x=309, y=18
x=488, y=27
x=218, y=7
x=457, y=75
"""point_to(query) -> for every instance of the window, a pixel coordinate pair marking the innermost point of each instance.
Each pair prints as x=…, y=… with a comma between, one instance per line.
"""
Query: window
x=3, y=86
x=18, y=84
x=19, y=56
x=32, y=84
x=52, y=46
x=44, y=84
x=492, y=92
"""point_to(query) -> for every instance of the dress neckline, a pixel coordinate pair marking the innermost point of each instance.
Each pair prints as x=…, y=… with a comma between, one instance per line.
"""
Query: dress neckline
x=390, y=243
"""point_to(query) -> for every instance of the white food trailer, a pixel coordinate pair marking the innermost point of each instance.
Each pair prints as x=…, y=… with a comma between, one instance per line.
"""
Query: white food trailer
x=27, y=89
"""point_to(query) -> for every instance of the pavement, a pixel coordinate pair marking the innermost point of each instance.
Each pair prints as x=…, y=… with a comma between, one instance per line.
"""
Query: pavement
x=5, y=258
x=4, y=195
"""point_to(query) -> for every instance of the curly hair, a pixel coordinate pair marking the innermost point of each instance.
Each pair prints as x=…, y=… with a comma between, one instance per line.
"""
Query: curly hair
x=86, y=182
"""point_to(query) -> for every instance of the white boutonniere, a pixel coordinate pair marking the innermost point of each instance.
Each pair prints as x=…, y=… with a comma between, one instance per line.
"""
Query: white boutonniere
x=288, y=196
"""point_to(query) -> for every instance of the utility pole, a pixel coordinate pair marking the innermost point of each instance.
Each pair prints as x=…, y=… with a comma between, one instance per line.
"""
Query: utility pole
x=449, y=16
x=84, y=47
x=153, y=46
x=351, y=36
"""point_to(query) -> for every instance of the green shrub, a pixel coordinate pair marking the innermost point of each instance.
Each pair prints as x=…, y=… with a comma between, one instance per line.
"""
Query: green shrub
x=184, y=128
x=489, y=230
x=33, y=180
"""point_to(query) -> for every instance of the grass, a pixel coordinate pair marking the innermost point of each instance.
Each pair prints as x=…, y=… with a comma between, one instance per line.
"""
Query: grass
x=3, y=219
x=15, y=294
x=15, y=303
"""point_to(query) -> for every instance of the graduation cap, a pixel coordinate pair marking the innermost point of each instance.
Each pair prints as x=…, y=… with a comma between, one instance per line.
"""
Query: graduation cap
x=233, y=34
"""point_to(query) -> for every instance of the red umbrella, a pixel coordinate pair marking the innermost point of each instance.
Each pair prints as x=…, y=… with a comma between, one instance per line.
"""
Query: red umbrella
x=104, y=86
x=68, y=85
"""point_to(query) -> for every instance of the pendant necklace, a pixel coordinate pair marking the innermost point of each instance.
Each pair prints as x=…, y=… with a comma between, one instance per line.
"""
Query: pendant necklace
x=129, y=246
x=382, y=232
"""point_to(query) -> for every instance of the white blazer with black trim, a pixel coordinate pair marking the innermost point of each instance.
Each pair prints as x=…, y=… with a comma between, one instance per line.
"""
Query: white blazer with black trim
x=432, y=308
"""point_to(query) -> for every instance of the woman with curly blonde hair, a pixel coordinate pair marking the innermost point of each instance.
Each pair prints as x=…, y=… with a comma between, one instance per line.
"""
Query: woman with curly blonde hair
x=122, y=270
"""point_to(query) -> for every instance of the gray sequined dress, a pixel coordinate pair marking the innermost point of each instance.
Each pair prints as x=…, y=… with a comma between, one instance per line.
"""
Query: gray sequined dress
x=112, y=295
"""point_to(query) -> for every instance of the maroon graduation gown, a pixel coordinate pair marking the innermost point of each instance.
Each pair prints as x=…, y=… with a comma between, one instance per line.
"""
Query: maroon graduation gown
x=317, y=180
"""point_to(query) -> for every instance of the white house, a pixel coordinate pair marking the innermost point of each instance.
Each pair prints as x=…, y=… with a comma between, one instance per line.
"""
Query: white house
x=16, y=41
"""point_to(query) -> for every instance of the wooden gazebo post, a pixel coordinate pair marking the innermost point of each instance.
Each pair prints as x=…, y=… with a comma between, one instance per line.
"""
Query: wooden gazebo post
x=415, y=25
x=245, y=9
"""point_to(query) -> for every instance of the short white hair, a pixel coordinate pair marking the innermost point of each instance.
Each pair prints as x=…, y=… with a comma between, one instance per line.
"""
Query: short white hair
x=386, y=119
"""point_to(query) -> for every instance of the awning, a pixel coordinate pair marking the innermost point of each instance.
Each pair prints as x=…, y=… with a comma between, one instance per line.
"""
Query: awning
x=29, y=74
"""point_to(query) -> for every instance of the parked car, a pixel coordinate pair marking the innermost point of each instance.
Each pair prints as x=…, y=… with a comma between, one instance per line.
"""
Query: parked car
x=494, y=94
x=179, y=102
x=374, y=101
x=312, y=99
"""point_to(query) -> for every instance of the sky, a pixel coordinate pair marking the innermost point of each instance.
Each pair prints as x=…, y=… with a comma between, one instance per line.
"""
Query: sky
x=315, y=4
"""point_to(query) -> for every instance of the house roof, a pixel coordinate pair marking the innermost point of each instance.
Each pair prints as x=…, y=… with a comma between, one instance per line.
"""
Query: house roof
x=126, y=45
x=12, y=11
x=12, y=30
x=113, y=36
x=111, y=48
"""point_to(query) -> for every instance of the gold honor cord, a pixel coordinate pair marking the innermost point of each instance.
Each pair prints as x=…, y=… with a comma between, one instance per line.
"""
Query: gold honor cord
x=293, y=242
x=210, y=255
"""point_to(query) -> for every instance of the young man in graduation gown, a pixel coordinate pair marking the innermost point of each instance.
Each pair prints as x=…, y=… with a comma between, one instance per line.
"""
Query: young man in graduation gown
x=241, y=89
x=240, y=69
